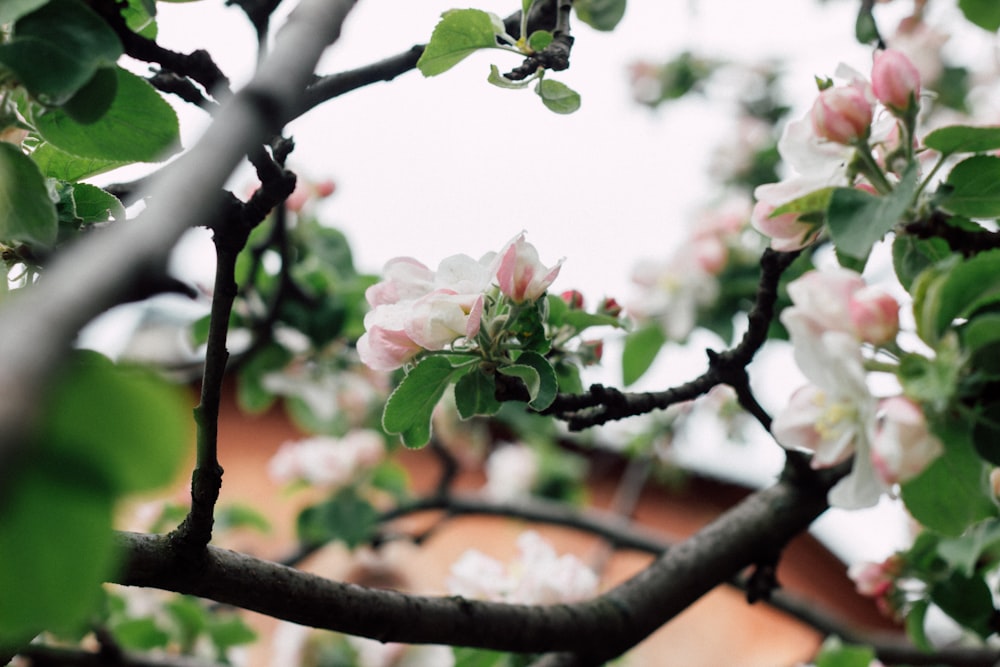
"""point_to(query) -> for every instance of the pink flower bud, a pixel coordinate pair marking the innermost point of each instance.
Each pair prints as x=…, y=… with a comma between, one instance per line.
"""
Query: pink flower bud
x=573, y=298
x=610, y=307
x=325, y=188
x=787, y=231
x=842, y=114
x=874, y=315
x=895, y=80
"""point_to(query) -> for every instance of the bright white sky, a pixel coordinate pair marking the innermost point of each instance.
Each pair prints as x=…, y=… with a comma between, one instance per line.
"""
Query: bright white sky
x=434, y=167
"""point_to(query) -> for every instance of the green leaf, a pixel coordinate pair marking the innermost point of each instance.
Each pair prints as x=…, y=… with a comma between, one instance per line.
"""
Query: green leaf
x=963, y=553
x=58, y=48
x=548, y=383
x=915, y=627
x=12, y=10
x=251, y=394
x=345, y=518
x=816, y=201
x=581, y=319
x=865, y=27
x=968, y=286
x=981, y=339
x=230, y=517
x=984, y=13
x=857, y=220
x=138, y=127
x=459, y=33
x=101, y=417
x=27, y=214
x=911, y=255
x=410, y=406
x=973, y=188
x=966, y=599
x=92, y=204
x=932, y=380
x=64, y=166
x=539, y=39
x=641, y=348
x=986, y=430
x=964, y=139
x=228, y=631
x=140, y=634
x=600, y=14
x=951, y=493
x=526, y=374
x=835, y=653
x=393, y=478
x=475, y=394
x=558, y=97
x=499, y=80
x=56, y=549
x=94, y=99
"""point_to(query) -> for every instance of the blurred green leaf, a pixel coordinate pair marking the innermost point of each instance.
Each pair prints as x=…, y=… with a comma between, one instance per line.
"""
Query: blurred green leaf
x=58, y=48
x=984, y=13
x=857, y=219
x=639, y=353
x=140, y=126
x=346, y=518
x=964, y=139
x=601, y=15
x=950, y=494
x=64, y=166
x=55, y=546
x=27, y=214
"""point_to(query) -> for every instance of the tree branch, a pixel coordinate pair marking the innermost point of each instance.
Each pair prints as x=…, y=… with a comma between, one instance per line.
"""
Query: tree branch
x=603, y=628
x=602, y=404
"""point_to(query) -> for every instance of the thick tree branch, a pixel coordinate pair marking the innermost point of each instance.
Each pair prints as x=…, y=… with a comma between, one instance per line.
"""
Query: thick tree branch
x=38, y=324
x=603, y=628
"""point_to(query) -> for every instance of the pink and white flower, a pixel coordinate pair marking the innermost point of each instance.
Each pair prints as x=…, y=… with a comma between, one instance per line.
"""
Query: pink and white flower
x=903, y=445
x=833, y=416
x=536, y=576
x=837, y=299
x=327, y=462
x=520, y=274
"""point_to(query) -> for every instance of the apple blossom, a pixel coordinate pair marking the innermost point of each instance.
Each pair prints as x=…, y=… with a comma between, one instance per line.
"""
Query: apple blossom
x=520, y=274
x=325, y=461
x=834, y=416
x=441, y=317
x=511, y=472
x=837, y=299
x=903, y=445
x=787, y=231
x=842, y=114
x=671, y=293
x=536, y=576
x=895, y=80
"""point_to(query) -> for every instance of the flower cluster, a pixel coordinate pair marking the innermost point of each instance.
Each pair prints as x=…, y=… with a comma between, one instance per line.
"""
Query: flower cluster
x=415, y=309
x=327, y=462
x=835, y=416
x=832, y=145
x=672, y=292
x=537, y=576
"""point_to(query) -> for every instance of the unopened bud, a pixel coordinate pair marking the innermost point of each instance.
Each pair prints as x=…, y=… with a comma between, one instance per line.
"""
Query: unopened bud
x=573, y=298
